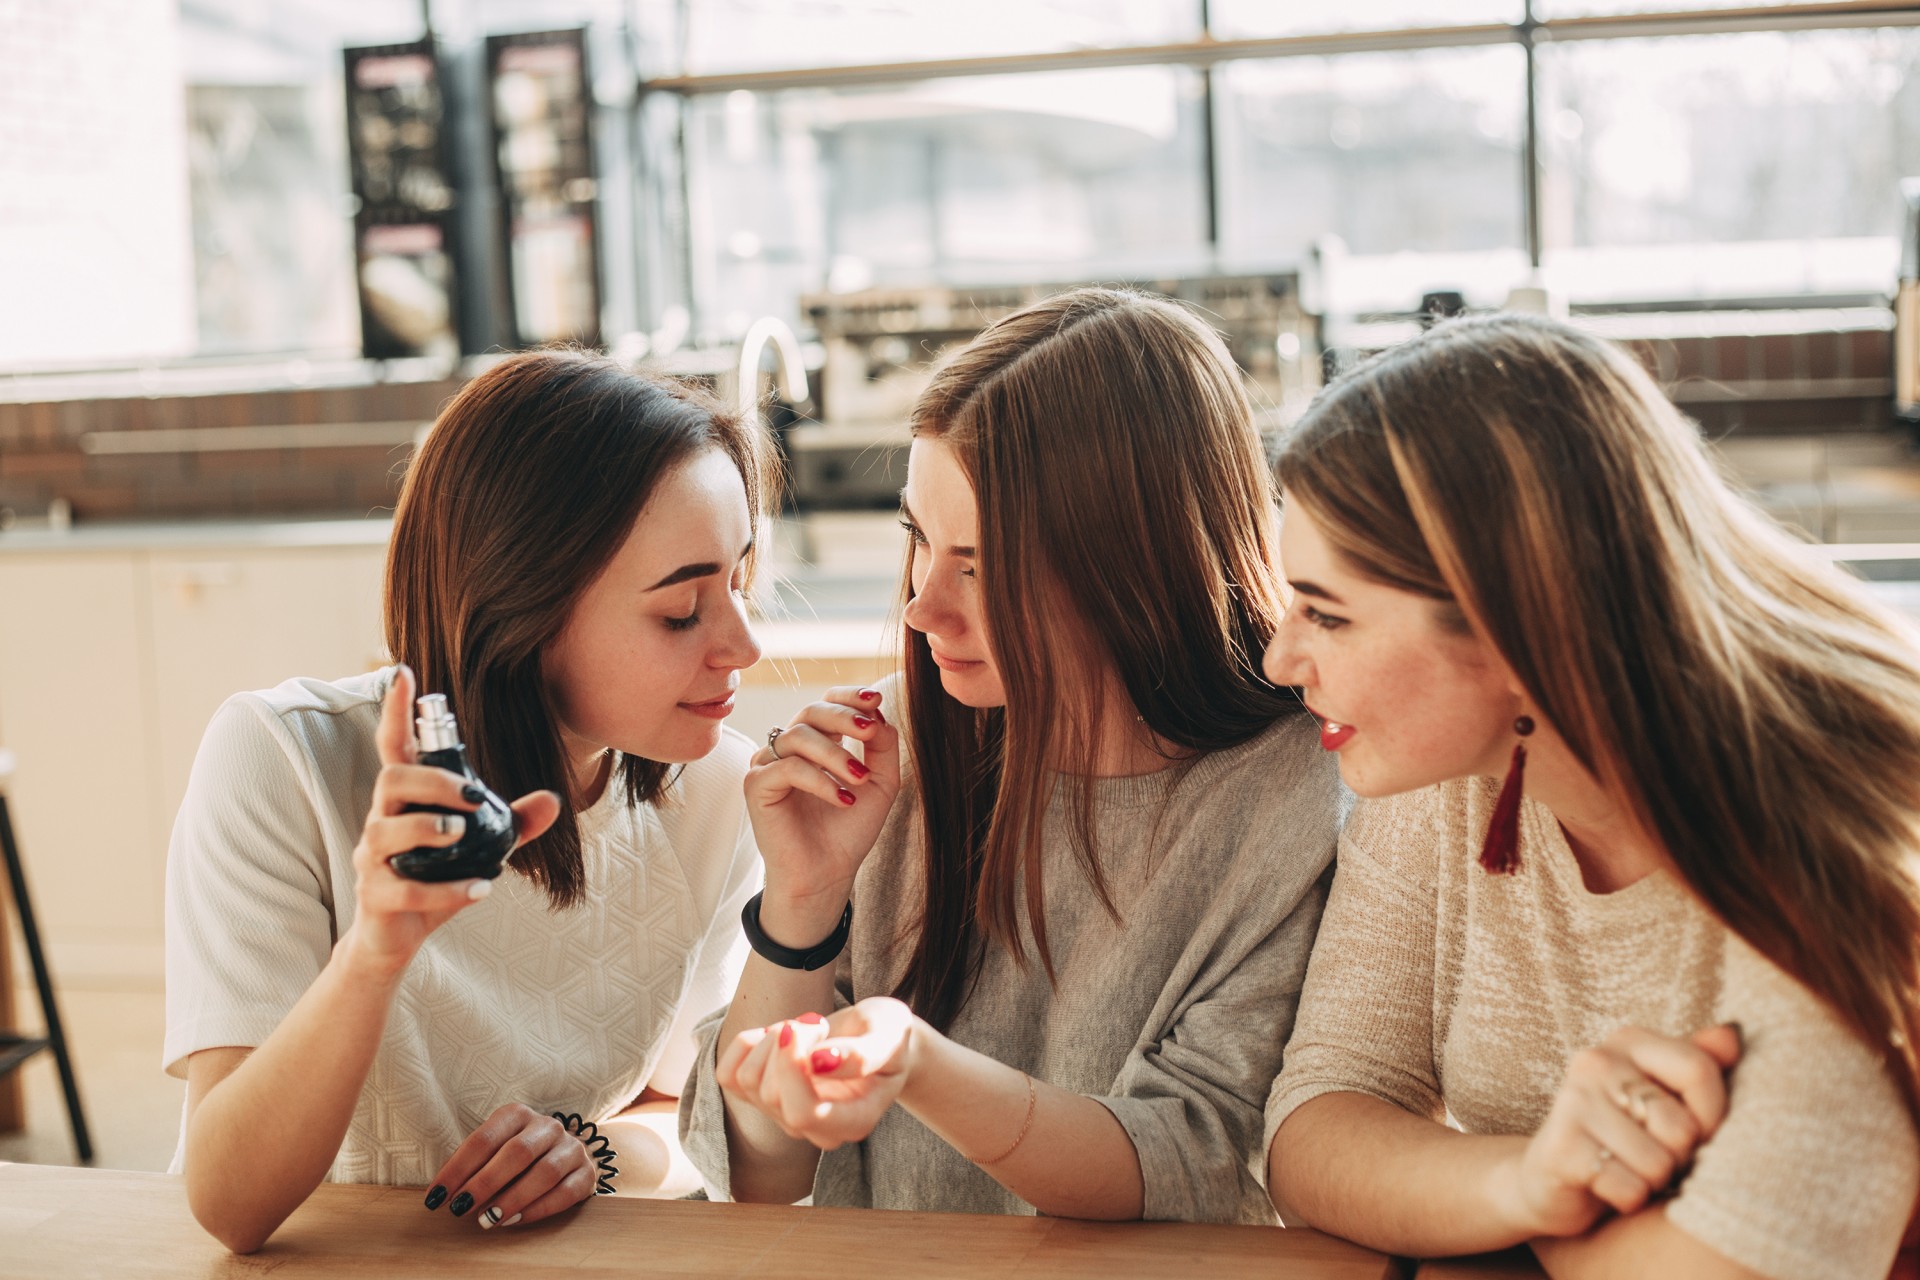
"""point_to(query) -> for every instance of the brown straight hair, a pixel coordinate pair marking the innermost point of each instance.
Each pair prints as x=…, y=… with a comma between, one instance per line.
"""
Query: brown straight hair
x=1754, y=710
x=525, y=488
x=1126, y=530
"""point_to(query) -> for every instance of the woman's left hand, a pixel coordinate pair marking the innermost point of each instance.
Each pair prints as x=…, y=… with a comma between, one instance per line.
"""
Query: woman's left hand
x=826, y=1080
x=517, y=1168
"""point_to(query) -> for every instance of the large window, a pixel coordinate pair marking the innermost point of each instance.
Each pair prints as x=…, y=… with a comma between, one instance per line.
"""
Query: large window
x=982, y=179
x=1757, y=164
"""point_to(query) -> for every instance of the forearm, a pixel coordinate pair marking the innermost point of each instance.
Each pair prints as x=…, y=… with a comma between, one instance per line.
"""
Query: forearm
x=1355, y=1166
x=1072, y=1159
x=262, y=1138
x=766, y=1165
x=1640, y=1244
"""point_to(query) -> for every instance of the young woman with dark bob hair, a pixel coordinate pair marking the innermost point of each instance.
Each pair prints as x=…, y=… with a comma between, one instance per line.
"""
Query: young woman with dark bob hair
x=567, y=567
x=1623, y=958
x=1063, y=928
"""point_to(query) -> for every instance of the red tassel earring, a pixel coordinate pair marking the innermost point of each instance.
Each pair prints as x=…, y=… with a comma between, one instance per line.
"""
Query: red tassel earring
x=1500, y=855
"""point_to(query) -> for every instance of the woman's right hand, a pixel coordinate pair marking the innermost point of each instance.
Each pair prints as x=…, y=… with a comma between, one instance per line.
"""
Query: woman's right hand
x=1628, y=1118
x=393, y=915
x=817, y=809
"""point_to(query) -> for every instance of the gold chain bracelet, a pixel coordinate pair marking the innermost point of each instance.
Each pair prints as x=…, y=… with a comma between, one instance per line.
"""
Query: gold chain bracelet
x=1025, y=1124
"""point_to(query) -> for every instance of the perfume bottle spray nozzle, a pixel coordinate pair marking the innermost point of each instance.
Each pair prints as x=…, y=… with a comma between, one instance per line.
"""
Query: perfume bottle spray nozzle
x=435, y=723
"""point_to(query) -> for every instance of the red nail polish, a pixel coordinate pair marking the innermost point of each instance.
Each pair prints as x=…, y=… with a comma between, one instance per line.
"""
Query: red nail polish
x=846, y=796
x=786, y=1035
x=869, y=695
x=857, y=769
x=826, y=1061
x=810, y=1019
x=861, y=722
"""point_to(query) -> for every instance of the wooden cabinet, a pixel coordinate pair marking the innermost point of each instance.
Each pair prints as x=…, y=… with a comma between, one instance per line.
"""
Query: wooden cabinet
x=111, y=663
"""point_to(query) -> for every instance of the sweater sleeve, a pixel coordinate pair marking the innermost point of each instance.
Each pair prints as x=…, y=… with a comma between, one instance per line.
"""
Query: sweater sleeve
x=1814, y=1172
x=1366, y=1015
x=1190, y=1102
x=249, y=922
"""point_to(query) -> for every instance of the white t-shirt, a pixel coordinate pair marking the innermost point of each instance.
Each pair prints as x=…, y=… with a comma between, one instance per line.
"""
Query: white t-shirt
x=571, y=1010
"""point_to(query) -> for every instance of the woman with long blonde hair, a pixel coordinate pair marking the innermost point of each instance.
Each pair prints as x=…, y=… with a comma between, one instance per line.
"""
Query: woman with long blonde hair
x=1624, y=959
x=1076, y=935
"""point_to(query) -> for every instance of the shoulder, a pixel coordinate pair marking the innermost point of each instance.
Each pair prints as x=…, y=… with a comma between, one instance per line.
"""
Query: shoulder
x=1413, y=834
x=323, y=726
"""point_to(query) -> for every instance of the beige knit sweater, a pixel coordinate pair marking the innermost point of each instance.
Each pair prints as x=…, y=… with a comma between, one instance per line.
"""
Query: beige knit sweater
x=1459, y=995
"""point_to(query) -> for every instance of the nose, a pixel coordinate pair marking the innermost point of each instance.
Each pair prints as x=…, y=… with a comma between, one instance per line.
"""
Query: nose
x=1286, y=661
x=931, y=611
x=735, y=646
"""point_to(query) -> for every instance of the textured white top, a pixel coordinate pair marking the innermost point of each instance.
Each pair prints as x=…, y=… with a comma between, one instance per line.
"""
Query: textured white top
x=510, y=1001
x=1460, y=996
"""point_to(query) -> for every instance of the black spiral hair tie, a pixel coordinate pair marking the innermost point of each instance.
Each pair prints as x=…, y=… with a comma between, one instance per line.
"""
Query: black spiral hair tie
x=597, y=1146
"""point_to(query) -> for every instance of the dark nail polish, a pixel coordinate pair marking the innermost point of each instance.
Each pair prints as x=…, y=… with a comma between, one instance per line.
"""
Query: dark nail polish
x=825, y=1061
x=861, y=722
x=436, y=1197
x=473, y=795
x=846, y=796
x=461, y=1203
x=810, y=1019
x=857, y=769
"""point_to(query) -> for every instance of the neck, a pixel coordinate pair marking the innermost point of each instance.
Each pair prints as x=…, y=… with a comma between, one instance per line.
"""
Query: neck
x=1607, y=843
x=589, y=767
x=1123, y=745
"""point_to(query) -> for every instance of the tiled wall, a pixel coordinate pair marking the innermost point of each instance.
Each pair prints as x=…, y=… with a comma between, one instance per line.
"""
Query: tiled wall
x=42, y=458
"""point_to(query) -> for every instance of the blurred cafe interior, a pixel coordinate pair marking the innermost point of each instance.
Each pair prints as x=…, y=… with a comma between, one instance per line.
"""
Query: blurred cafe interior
x=249, y=248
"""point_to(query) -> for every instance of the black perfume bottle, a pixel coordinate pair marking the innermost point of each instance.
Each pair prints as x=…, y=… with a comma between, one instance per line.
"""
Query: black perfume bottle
x=483, y=850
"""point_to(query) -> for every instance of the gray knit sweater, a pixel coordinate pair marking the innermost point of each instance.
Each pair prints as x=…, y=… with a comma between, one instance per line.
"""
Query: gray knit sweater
x=1174, y=1019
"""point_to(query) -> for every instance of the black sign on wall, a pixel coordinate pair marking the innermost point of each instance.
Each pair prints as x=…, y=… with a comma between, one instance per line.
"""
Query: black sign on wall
x=541, y=106
x=399, y=145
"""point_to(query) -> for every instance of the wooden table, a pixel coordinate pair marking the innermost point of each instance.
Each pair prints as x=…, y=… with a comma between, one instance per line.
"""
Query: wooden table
x=101, y=1223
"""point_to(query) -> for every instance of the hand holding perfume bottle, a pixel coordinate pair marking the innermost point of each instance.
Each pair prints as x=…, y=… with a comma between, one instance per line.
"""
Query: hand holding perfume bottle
x=489, y=840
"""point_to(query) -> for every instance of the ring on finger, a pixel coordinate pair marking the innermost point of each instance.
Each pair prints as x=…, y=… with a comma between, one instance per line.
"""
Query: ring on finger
x=773, y=740
x=1633, y=1099
x=447, y=823
x=1601, y=1156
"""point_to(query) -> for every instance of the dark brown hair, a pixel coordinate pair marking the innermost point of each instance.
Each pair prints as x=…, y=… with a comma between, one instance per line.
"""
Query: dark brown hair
x=525, y=488
x=1126, y=527
x=1752, y=709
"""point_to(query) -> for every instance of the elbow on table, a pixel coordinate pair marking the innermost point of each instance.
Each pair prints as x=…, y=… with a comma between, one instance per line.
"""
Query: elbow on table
x=214, y=1210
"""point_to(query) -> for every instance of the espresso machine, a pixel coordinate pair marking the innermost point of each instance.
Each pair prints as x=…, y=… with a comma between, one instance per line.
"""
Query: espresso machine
x=882, y=346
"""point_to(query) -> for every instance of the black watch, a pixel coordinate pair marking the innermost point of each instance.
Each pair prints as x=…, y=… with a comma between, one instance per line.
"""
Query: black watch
x=809, y=959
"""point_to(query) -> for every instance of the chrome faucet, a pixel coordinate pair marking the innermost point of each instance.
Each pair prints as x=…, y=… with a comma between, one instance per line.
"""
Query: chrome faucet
x=792, y=371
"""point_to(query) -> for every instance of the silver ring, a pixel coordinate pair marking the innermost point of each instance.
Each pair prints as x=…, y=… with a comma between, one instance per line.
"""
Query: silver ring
x=773, y=738
x=1600, y=1157
x=444, y=823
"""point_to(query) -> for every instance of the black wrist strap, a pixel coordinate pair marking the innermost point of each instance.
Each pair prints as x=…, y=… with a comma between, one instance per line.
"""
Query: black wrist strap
x=816, y=957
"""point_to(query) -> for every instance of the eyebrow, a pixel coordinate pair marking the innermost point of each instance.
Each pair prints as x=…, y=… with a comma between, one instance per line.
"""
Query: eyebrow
x=705, y=569
x=1314, y=589
x=965, y=553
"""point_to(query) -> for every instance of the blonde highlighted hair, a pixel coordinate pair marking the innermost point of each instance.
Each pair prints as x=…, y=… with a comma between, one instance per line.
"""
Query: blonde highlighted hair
x=1751, y=707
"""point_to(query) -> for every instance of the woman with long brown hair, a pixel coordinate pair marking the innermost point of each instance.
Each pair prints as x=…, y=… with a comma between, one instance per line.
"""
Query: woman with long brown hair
x=1068, y=951
x=566, y=568
x=1628, y=964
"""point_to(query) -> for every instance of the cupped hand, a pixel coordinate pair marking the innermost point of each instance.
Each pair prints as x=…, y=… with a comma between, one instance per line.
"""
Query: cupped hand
x=1626, y=1122
x=393, y=915
x=826, y=1081
x=517, y=1168
x=817, y=808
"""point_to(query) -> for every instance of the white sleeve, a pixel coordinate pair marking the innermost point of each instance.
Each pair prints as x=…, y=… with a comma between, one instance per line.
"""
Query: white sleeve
x=717, y=966
x=249, y=916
